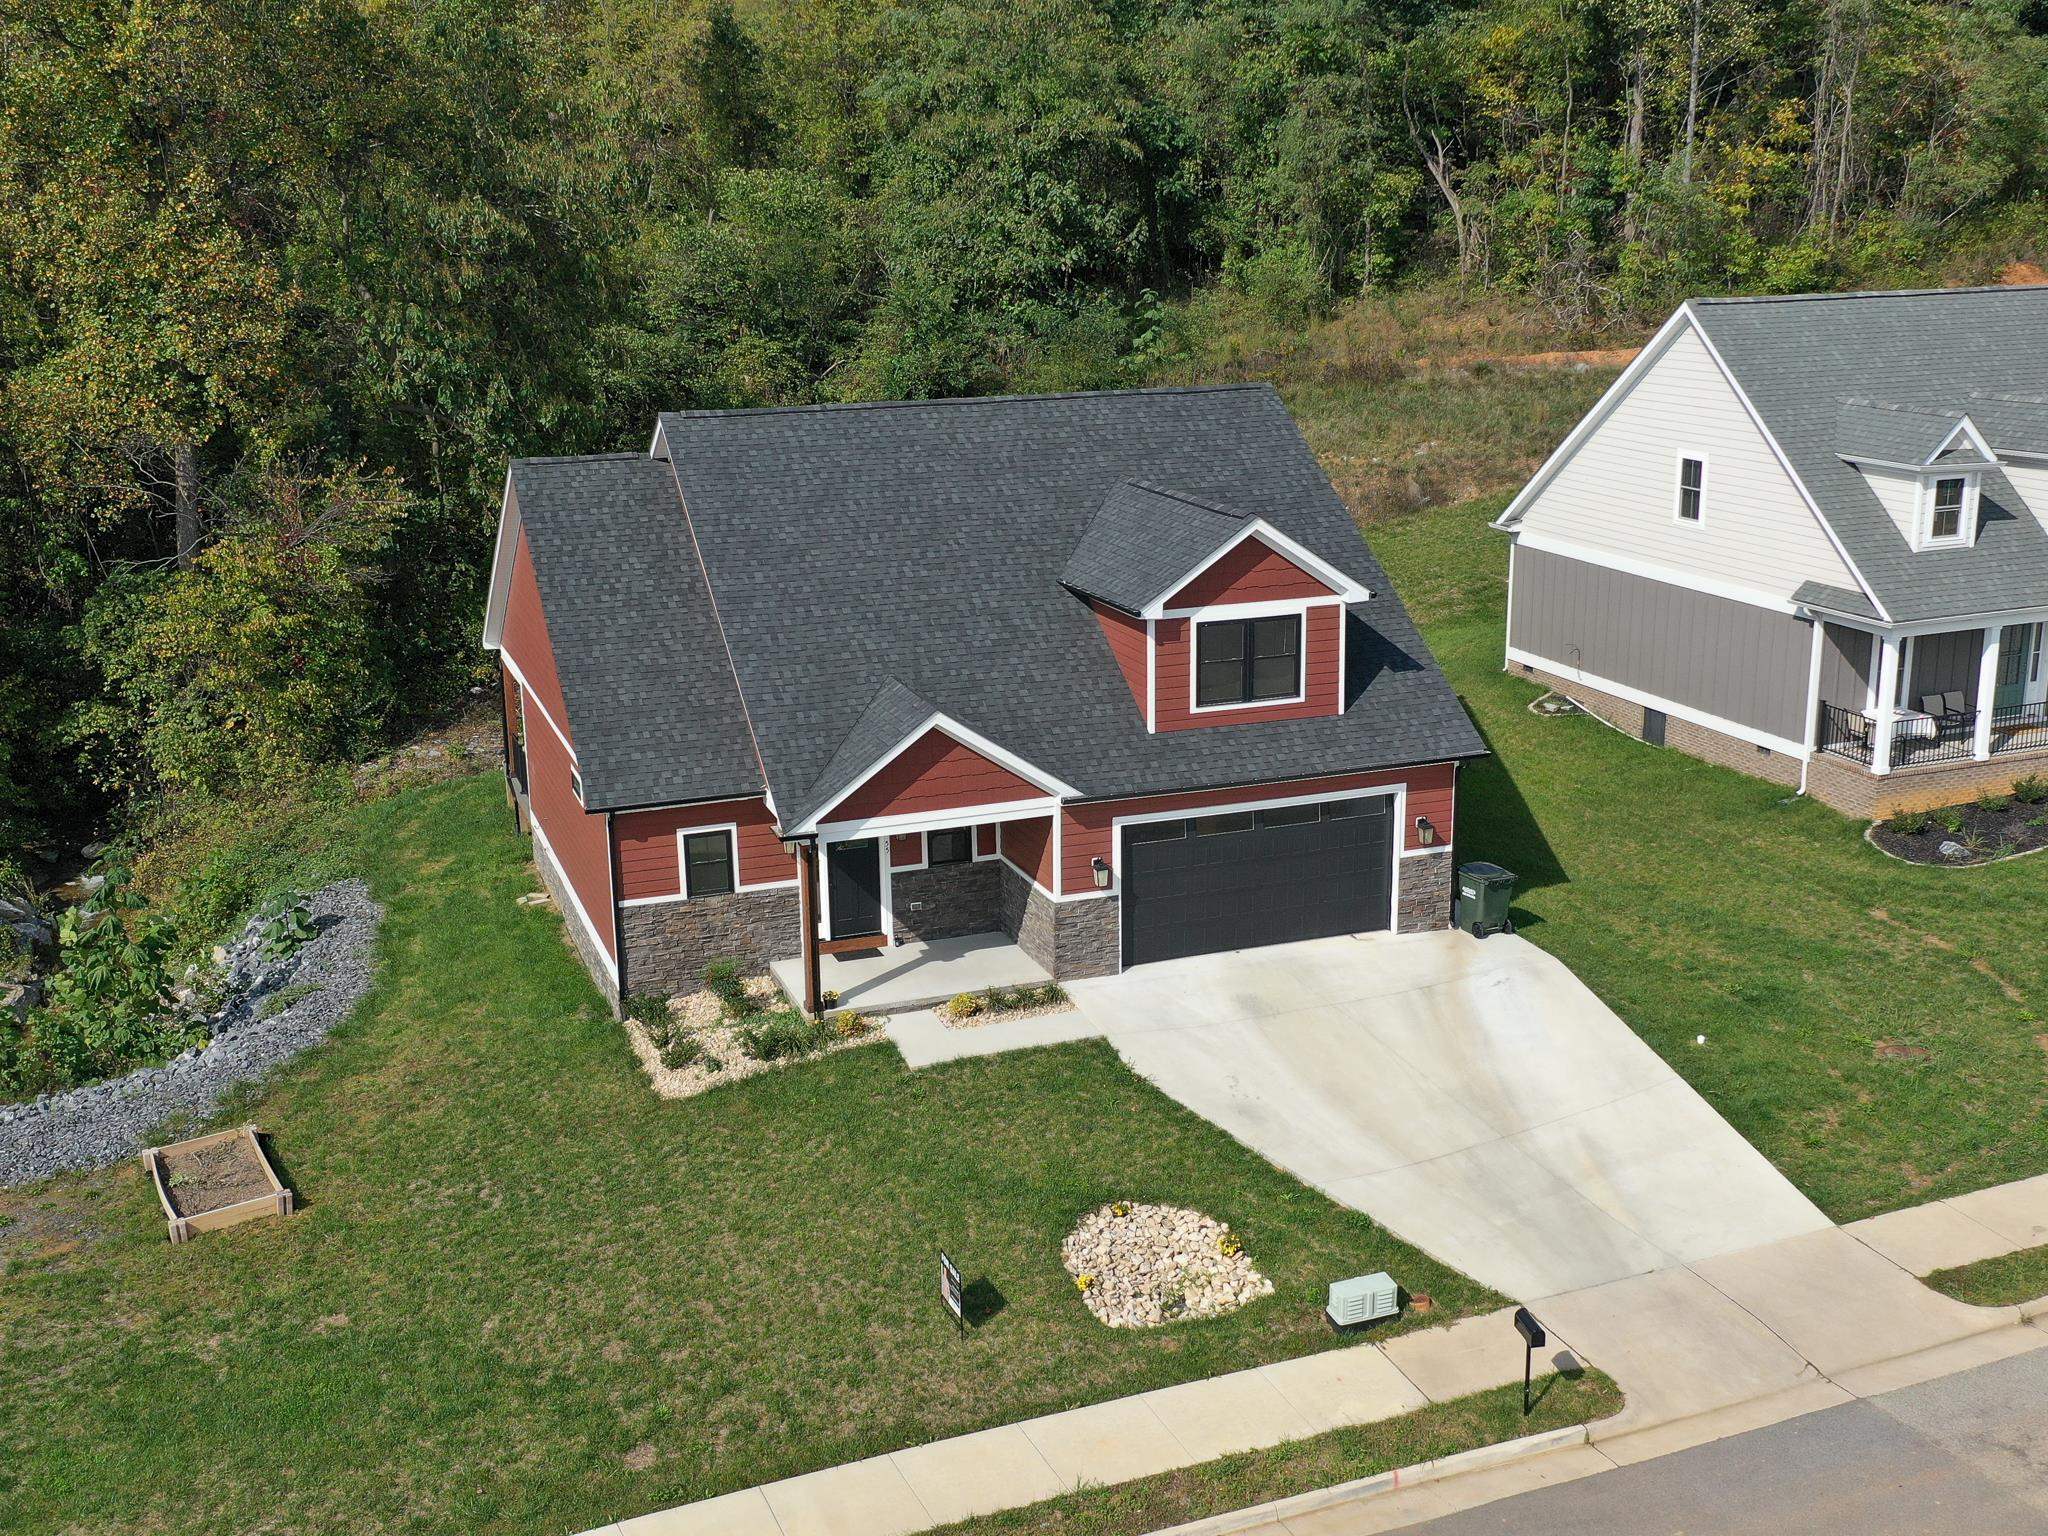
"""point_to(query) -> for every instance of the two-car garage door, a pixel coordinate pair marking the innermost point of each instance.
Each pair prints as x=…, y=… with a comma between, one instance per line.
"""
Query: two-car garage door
x=1245, y=878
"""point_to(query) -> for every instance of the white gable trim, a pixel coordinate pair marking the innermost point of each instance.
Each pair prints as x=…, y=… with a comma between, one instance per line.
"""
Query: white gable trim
x=1785, y=463
x=1341, y=586
x=1653, y=349
x=1965, y=428
x=972, y=740
x=503, y=552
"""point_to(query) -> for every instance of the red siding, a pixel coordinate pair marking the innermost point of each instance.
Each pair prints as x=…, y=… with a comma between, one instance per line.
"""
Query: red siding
x=525, y=639
x=577, y=836
x=1322, y=675
x=985, y=840
x=1253, y=572
x=1087, y=832
x=906, y=849
x=933, y=773
x=1028, y=845
x=650, y=859
x=1126, y=637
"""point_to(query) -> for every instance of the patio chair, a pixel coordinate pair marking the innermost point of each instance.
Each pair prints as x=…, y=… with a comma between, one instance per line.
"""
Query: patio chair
x=1953, y=702
x=1930, y=704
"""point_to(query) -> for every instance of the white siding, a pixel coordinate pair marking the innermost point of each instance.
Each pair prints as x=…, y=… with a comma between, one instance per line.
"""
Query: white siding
x=1899, y=494
x=1617, y=492
x=2031, y=481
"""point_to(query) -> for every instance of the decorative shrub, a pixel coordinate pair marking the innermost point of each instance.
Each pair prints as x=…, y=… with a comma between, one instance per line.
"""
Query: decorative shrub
x=1993, y=803
x=1952, y=821
x=1908, y=823
x=1048, y=994
x=649, y=1009
x=848, y=1025
x=783, y=1035
x=723, y=980
x=681, y=1049
x=966, y=1005
x=2033, y=789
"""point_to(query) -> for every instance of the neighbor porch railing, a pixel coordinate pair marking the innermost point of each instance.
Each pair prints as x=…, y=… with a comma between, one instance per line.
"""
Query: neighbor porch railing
x=2019, y=728
x=1919, y=739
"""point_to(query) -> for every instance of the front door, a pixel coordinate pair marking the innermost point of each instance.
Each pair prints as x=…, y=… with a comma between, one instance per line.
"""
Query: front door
x=854, y=887
x=2015, y=665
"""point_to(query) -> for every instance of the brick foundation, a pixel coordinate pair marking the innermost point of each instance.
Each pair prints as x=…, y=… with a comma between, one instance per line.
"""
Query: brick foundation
x=1854, y=792
x=669, y=943
x=1426, y=888
x=1698, y=741
x=949, y=902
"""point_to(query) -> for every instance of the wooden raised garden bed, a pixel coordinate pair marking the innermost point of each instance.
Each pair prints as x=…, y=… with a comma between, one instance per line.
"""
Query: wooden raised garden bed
x=215, y=1181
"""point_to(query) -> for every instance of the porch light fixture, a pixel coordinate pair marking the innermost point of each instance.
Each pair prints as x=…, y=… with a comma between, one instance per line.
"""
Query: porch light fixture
x=1101, y=868
x=1425, y=831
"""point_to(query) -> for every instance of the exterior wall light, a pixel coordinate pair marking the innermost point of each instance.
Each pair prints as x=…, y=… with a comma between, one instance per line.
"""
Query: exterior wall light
x=1425, y=831
x=1101, y=868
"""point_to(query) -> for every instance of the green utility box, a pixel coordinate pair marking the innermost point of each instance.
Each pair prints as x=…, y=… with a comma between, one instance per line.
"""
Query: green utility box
x=1484, y=891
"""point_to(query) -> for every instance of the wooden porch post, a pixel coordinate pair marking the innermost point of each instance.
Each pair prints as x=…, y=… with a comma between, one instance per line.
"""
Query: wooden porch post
x=1987, y=689
x=1887, y=704
x=807, y=860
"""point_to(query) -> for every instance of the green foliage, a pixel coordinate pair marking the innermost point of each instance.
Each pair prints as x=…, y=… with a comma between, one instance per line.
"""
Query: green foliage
x=1908, y=823
x=284, y=924
x=2032, y=789
x=965, y=1005
x=724, y=980
x=1993, y=803
x=784, y=1034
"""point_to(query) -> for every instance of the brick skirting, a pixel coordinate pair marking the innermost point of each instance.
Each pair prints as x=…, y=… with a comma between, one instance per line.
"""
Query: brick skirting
x=1698, y=741
x=580, y=940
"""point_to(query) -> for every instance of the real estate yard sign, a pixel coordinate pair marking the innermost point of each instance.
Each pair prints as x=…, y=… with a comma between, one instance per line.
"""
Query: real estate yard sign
x=950, y=1291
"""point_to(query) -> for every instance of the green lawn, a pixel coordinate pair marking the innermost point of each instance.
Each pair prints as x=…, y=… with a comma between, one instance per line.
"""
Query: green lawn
x=2005, y=1281
x=525, y=1295
x=1697, y=901
x=1300, y=1466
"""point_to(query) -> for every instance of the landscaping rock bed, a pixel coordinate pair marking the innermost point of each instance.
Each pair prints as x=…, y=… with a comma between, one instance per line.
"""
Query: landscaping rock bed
x=1979, y=832
x=252, y=1031
x=970, y=1010
x=704, y=1043
x=1141, y=1266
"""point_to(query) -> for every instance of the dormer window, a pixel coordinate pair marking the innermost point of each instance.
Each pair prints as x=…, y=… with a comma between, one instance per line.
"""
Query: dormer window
x=1949, y=511
x=1247, y=661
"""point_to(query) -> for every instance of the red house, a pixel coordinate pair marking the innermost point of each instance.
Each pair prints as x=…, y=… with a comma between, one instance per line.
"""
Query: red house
x=1113, y=675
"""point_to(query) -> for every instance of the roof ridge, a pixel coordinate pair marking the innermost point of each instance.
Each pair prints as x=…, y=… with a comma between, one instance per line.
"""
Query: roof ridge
x=1900, y=408
x=1865, y=293
x=2005, y=398
x=1026, y=399
x=582, y=458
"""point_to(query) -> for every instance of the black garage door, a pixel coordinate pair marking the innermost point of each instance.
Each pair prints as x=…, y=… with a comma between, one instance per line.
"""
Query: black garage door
x=1256, y=877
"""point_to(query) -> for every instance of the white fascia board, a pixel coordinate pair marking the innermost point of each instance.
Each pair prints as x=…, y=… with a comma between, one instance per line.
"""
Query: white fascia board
x=973, y=740
x=1589, y=423
x=1341, y=586
x=503, y=552
x=657, y=447
x=1964, y=427
x=906, y=822
x=1785, y=463
x=1650, y=570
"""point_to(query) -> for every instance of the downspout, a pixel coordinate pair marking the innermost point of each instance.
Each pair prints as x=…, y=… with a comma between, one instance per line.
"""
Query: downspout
x=611, y=849
x=505, y=741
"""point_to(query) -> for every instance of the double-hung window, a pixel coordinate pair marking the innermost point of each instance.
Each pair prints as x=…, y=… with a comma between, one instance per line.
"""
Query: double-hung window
x=953, y=845
x=1692, y=488
x=1946, y=519
x=1248, y=661
x=707, y=864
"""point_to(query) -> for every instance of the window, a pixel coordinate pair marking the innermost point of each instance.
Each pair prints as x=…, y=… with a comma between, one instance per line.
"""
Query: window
x=1947, y=522
x=707, y=864
x=955, y=845
x=576, y=785
x=1247, y=661
x=1158, y=832
x=1215, y=826
x=1692, y=488
x=1290, y=815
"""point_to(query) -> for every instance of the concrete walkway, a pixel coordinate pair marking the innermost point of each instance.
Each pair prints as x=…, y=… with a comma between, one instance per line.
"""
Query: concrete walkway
x=1113, y=1442
x=906, y=976
x=925, y=1039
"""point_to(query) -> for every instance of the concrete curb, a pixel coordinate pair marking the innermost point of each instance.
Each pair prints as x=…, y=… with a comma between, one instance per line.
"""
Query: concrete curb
x=1477, y=1460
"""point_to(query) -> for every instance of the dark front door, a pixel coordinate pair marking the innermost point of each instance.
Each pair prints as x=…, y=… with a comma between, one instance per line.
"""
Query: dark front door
x=1257, y=877
x=854, y=888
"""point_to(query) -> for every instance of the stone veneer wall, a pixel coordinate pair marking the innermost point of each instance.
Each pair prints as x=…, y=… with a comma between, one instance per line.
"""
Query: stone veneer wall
x=1068, y=938
x=668, y=943
x=585, y=946
x=1681, y=735
x=1426, y=890
x=947, y=902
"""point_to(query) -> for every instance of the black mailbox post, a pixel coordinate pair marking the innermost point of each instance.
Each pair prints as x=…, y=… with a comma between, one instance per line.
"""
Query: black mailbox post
x=1533, y=1339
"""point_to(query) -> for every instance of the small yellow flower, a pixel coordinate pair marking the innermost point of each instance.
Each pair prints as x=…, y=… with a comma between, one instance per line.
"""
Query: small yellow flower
x=1082, y=1282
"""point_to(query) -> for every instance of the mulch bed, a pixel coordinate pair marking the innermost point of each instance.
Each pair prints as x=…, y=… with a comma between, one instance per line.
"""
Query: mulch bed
x=1977, y=833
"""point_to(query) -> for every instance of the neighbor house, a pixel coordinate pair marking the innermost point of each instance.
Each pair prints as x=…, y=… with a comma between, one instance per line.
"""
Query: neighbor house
x=1112, y=676
x=1808, y=538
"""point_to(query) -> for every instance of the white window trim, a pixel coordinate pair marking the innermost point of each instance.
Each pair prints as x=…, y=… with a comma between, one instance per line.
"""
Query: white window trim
x=1965, y=535
x=973, y=842
x=576, y=783
x=995, y=842
x=1697, y=456
x=732, y=848
x=1232, y=616
x=924, y=852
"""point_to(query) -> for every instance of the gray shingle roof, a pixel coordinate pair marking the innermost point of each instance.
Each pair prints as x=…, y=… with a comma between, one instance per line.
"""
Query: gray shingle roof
x=1143, y=538
x=922, y=545
x=651, y=701
x=1894, y=434
x=2015, y=422
x=1799, y=360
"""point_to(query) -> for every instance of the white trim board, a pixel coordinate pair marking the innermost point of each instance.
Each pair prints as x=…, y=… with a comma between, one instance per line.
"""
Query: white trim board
x=540, y=839
x=1342, y=587
x=526, y=692
x=943, y=723
x=1650, y=570
x=1686, y=712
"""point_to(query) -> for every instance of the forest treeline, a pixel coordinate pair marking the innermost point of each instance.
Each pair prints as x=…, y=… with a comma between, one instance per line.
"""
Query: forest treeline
x=286, y=281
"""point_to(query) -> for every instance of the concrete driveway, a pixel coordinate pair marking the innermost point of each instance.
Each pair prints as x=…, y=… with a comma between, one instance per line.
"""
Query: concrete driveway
x=1475, y=1098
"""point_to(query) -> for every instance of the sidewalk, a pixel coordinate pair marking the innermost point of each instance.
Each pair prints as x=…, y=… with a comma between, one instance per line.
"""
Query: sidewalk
x=1113, y=1442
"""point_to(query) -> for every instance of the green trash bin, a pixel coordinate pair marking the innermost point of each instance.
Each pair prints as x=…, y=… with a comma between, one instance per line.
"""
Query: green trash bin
x=1484, y=891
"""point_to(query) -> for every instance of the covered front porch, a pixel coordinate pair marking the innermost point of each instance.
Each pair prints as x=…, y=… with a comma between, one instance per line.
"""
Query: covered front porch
x=918, y=974
x=1891, y=702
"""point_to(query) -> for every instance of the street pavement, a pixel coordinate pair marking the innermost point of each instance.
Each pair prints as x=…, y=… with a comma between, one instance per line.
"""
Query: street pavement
x=1964, y=1455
